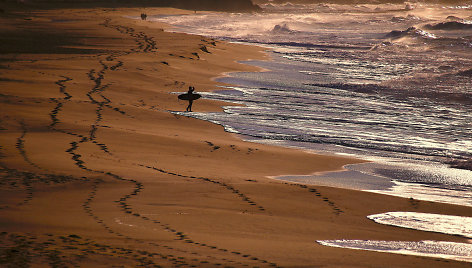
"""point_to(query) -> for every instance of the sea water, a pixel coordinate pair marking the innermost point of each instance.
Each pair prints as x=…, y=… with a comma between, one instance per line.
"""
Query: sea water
x=388, y=83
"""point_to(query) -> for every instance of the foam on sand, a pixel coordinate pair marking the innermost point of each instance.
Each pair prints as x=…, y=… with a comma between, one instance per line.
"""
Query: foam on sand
x=437, y=249
x=447, y=224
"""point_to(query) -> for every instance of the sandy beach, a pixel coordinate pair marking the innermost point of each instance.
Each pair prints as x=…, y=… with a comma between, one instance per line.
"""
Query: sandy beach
x=97, y=172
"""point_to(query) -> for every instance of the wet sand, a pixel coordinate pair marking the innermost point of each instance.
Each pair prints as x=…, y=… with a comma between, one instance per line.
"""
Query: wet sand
x=96, y=171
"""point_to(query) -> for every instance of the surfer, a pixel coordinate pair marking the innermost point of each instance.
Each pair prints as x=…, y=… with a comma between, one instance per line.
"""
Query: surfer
x=190, y=99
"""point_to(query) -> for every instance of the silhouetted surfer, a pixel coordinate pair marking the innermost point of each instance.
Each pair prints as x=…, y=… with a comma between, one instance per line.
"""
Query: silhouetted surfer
x=190, y=96
x=190, y=99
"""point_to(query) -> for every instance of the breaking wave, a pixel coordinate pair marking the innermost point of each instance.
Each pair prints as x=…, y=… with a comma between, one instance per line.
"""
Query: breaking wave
x=410, y=32
x=281, y=29
x=450, y=25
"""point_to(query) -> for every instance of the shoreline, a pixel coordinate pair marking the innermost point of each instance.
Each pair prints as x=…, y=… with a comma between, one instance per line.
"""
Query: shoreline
x=349, y=178
x=139, y=184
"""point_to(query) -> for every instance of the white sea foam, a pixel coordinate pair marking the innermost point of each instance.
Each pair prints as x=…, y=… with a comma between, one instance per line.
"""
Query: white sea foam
x=447, y=224
x=428, y=193
x=437, y=249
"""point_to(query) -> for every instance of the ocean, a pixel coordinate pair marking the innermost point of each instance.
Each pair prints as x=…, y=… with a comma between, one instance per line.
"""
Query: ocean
x=386, y=83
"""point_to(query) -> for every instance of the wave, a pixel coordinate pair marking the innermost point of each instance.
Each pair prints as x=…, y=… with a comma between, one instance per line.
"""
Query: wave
x=450, y=25
x=451, y=37
x=281, y=29
x=410, y=32
x=337, y=7
x=310, y=45
x=453, y=18
x=461, y=164
x=466, y=73
x=408, y=88
x=405, y=19
x=360, y=88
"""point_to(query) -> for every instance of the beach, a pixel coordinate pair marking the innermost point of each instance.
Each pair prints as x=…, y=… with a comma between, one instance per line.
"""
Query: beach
x=97, y=170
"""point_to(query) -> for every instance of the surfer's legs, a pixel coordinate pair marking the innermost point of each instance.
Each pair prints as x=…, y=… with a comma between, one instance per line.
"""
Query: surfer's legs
x=189, y=107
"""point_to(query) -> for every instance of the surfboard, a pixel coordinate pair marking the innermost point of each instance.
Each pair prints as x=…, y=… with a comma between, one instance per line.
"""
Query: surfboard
x=187, y=96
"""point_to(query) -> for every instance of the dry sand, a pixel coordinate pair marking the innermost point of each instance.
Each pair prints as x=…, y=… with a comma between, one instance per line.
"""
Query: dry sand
x=95, y=170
